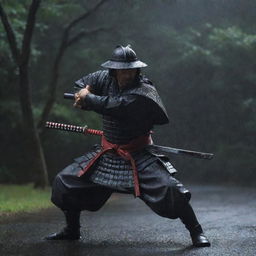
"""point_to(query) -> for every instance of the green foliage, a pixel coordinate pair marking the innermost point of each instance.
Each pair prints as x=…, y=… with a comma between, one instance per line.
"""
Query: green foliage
x=214, y=76
x=69, y=114
x=17, y=12
x=202, y=58
x=60, y=11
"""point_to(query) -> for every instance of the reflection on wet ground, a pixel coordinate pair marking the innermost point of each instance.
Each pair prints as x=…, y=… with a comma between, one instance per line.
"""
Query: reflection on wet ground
x=125, y=226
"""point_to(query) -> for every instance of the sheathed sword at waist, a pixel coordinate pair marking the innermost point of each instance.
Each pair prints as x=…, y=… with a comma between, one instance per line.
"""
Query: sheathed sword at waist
x=152, y=148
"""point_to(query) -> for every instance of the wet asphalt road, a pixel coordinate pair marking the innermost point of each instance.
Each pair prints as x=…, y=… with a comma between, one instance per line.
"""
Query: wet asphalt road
x=125, y=226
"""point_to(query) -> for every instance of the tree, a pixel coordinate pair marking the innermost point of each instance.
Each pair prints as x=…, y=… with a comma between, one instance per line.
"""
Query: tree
x=66, y=41
x=21, y=58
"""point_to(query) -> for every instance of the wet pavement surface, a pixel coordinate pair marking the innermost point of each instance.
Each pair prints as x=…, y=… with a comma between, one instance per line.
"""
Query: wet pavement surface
x=126, y=226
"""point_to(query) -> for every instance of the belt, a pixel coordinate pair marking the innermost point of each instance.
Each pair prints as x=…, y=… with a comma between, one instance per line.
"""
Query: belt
x=123, y=150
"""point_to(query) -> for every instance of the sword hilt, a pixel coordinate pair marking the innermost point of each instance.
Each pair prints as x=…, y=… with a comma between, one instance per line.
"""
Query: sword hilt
x=93, y=132
x=65, y=127
x=73, y=128
x=70, y=96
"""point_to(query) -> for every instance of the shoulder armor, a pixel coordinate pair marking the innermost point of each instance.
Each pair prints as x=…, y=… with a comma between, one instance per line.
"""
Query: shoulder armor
x=149, y=91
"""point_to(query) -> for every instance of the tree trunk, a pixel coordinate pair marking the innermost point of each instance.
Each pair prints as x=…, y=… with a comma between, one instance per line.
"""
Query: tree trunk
x=33, y=142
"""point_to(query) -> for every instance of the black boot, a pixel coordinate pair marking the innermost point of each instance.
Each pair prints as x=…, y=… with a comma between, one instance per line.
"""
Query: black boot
x=198, y=237
x=72, y=229
x=188, y=217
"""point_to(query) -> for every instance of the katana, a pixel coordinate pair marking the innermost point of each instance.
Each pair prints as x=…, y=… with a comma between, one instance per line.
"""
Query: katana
x=152, y=148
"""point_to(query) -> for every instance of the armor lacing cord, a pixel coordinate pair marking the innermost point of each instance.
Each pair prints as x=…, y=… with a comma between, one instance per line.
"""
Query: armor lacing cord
x=125, y=152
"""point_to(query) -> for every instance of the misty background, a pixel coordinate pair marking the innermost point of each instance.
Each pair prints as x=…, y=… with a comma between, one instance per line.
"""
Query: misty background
x=201, y=56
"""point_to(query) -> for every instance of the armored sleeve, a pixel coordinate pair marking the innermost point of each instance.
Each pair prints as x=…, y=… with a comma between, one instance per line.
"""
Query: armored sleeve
x=122, y=107
x=95, y=80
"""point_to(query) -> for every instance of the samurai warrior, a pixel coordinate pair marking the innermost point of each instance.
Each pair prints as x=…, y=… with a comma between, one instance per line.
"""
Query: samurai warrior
x=130, y=108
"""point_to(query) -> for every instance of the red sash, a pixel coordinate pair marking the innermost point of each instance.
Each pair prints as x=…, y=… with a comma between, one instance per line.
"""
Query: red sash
x=125, y=152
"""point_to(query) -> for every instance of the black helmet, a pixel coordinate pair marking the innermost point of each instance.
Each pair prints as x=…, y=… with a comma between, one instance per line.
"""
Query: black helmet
x=123, y=58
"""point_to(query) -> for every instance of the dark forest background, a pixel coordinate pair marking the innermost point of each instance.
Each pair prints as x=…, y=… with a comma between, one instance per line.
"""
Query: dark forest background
x=201, y=56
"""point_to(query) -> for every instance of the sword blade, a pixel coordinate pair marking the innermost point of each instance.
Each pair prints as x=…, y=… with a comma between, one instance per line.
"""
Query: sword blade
x=163, y=149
